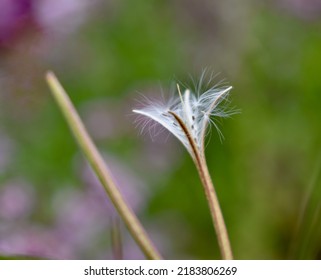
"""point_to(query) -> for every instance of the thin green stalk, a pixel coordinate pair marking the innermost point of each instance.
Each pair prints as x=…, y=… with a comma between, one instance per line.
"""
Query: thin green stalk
x=98, y=165
x=214, y=205
x=215, y=209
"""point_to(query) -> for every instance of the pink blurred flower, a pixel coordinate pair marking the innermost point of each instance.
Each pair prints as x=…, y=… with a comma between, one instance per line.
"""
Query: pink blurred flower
x=21, y=18
x=305, y=9
x=62, y=16
x=35, y=241
x=16, y=200
x=16, y=19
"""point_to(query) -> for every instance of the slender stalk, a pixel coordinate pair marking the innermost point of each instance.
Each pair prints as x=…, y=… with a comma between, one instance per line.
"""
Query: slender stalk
x=215, y=209
x=214, y=205
x=98, y=165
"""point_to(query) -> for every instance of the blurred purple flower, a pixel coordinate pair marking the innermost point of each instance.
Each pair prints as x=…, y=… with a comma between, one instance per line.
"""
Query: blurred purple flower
x=34, y=241
x=62, y=16
x=20, y=18
x=16, y=17
x=79, y=219
x=305, y=9
x=16, y=200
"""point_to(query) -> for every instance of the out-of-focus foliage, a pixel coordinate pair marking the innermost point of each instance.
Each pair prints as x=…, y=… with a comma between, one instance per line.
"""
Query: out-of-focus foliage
x=266, y=171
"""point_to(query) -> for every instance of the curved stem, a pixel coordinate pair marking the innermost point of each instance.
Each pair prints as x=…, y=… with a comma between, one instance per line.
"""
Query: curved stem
x=214, y=205
x=215, y=209
x=98, y=165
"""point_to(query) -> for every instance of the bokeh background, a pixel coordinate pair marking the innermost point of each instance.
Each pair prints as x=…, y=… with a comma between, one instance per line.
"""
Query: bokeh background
x=106, y=53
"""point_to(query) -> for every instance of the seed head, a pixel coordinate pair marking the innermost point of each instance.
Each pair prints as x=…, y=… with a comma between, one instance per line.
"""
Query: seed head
x=188, y=115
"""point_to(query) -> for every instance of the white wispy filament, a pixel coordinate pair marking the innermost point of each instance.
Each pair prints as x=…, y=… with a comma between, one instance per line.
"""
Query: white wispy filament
x=187, y=117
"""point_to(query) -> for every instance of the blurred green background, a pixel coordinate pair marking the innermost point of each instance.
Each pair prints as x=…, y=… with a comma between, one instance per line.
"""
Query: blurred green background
x=106, y=53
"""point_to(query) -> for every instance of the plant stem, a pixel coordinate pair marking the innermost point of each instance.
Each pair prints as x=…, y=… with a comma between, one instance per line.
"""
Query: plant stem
x=214, y=205
x=98, y=165
x=215, y=209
